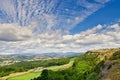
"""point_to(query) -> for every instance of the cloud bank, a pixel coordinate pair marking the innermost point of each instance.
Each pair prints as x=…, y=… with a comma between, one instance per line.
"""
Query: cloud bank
x=13, y=32
x=23, y=40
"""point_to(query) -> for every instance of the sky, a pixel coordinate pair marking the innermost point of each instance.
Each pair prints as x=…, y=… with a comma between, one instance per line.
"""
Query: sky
x=46, y=26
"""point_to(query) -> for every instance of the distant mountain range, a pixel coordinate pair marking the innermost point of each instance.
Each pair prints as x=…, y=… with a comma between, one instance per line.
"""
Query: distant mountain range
x=68, y=54
x=30, y=56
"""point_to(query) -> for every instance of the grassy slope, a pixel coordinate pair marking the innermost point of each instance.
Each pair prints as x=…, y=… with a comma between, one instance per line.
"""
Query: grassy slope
x=27, y=76
x=32, y=75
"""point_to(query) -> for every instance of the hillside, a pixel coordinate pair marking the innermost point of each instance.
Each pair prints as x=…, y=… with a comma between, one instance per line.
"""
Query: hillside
x=111, y=68
x=25, y=66
x=104, y=53
x=15, y=58
x=102, y=64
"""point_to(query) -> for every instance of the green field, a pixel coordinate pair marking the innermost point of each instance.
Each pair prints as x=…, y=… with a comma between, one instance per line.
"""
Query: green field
x=32, y=75
x=27, y=76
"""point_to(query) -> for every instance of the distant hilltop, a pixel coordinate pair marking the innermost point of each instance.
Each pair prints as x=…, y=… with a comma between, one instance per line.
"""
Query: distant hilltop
x=104, y=53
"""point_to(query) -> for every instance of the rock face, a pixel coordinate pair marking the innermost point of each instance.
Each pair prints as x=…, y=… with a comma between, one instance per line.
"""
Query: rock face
x=111, y=68
x=104, y=54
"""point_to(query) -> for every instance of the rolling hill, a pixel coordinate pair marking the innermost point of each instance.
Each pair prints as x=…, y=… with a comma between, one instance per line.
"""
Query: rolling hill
x=102, y=64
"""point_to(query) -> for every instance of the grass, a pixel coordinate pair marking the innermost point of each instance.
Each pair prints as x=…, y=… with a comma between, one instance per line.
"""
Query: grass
x=27, y=76
x=32, y=75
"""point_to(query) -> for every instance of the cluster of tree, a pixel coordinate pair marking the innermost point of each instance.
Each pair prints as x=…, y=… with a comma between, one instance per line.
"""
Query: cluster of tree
x=27, y=65
x=85, y=67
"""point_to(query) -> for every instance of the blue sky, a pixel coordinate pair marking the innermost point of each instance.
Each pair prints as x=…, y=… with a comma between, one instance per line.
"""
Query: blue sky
x=109, y=14
x=42, y=26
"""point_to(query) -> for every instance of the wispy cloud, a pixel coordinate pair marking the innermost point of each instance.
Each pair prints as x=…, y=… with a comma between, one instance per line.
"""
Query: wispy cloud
x=49, y=14
x=102, y=1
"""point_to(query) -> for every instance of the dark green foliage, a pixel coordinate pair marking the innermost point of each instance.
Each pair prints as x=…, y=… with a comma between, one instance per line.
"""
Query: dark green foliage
x=109, y=66
x=85, y=67
x=27, y=65
x=44, y=75
x=115, y=56
x=92, y=76
x=48, y=75
x=97, y=67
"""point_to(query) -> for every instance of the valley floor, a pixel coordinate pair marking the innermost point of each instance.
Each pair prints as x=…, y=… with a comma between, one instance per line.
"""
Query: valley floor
x=35, y=72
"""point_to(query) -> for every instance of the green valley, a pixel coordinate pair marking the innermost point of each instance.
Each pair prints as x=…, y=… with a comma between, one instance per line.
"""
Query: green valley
x=101, y=64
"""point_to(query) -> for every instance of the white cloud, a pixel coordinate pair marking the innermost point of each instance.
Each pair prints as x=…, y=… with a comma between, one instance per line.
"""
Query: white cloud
x=102, y=1
x=13, y=32
x=97, y=37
